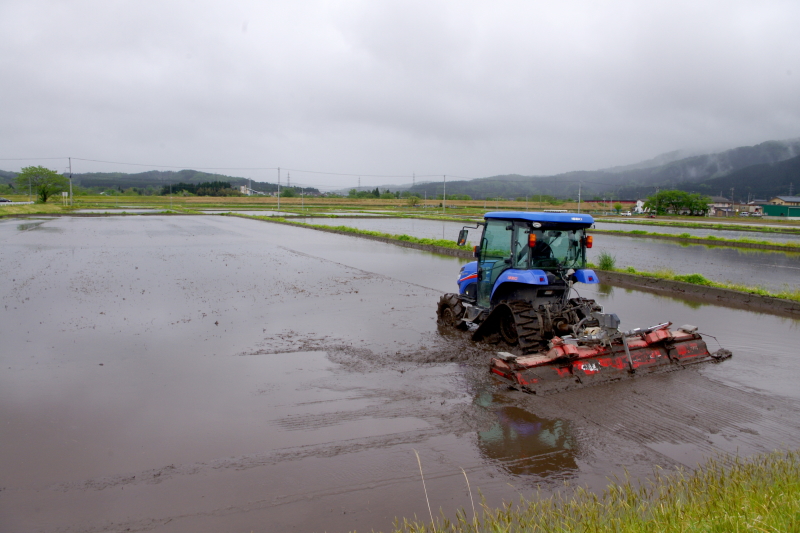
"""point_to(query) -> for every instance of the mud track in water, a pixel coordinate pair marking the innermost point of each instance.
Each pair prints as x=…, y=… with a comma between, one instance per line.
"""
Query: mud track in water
x=215, y=374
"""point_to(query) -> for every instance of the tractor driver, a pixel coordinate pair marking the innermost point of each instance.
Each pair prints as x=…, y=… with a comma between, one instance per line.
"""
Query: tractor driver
x=541, y=254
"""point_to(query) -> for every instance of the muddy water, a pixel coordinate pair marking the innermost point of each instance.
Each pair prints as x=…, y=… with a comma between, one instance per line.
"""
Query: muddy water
x=732, y=265
x=209, y=374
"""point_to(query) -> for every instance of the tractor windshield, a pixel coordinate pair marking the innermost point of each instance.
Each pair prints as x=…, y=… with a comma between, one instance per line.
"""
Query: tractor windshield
x=553, y=248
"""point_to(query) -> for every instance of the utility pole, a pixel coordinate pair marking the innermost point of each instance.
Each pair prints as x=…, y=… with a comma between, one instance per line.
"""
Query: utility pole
x=444, y=193
x=288, y=180
x=70, y=182
x=413, y=179
x=279, y=188
x=526, y=203
x=579, y=196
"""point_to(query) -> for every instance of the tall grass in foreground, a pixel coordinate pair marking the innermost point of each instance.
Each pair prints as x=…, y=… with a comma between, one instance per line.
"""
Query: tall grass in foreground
x=724, y=495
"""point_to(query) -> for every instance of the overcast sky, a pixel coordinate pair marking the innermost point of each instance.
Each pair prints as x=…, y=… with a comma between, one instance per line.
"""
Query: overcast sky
x=390, y=88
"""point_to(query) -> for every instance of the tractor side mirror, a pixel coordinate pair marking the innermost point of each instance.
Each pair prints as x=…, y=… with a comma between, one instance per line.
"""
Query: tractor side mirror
x=462, y=237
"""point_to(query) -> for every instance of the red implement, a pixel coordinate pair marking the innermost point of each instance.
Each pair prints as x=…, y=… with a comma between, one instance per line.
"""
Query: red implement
x=578, y=364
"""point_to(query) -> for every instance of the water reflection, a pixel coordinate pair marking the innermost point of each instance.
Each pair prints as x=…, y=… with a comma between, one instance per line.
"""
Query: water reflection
x=606, y=290
x=524, y=444
x=37, y=226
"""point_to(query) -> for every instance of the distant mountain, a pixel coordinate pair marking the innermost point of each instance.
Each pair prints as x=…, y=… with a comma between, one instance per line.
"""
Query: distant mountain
x=755, y=170
x=157, y=179
x=757, y=181
x=657, y=161
x=632, y=181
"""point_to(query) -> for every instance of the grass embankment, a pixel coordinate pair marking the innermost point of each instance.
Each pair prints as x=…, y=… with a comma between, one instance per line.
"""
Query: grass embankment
x=32, y=209
x=723, y=495
x=441, y=243
x=607, y=262
x=754, y=226
x=711, y=239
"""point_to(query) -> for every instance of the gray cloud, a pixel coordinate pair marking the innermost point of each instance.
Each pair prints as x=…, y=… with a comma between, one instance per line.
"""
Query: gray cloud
x=391, y=88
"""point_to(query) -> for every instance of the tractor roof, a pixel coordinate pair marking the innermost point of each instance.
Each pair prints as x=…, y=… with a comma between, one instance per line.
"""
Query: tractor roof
x=560, y=218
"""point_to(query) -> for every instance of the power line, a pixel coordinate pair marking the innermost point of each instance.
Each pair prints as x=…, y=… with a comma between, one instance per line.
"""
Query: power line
x=367, y=175
x=29, y=158
x=187, y=167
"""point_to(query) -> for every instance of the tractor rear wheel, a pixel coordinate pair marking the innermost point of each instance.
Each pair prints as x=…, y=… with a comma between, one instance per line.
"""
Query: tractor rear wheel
x=508, y=327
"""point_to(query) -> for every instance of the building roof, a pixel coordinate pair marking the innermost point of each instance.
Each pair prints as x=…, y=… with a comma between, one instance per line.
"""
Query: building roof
x=791, y=199
x=720, y=200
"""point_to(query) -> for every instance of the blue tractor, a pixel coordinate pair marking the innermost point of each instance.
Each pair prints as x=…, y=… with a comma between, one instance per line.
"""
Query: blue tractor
x=519, y=289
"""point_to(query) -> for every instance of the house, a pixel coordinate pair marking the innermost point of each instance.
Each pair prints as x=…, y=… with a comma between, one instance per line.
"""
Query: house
x=785, y=200
x=720, y=207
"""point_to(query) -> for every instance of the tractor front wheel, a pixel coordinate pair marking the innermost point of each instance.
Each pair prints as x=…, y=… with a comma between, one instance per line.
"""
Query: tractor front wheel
x=450, y=310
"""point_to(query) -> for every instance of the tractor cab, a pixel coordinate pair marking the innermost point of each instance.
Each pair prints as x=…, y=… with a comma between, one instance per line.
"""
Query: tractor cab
x=527, y=256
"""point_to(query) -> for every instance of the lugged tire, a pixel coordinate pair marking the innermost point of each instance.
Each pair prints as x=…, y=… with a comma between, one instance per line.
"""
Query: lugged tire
x=450, y=311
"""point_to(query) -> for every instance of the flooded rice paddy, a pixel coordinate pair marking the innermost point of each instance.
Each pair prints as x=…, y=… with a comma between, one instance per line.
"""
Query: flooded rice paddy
x=220, y=374
x=704, y=232
x=730, y=265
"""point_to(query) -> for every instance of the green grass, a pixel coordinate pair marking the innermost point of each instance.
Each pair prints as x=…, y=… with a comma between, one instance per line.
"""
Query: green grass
x=726, y=494
x=33, y=209
x=606, y=261
x=699, y=279
x=441, y=243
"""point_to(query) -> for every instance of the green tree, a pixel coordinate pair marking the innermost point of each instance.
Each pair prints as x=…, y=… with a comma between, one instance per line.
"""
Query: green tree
x=677, y=202
x=617, y=207
x=44, y=182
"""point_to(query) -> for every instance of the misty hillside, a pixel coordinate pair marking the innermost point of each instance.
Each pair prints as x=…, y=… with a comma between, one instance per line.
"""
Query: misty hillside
x=757, y=181
x=764, y=170
x=637, y=180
